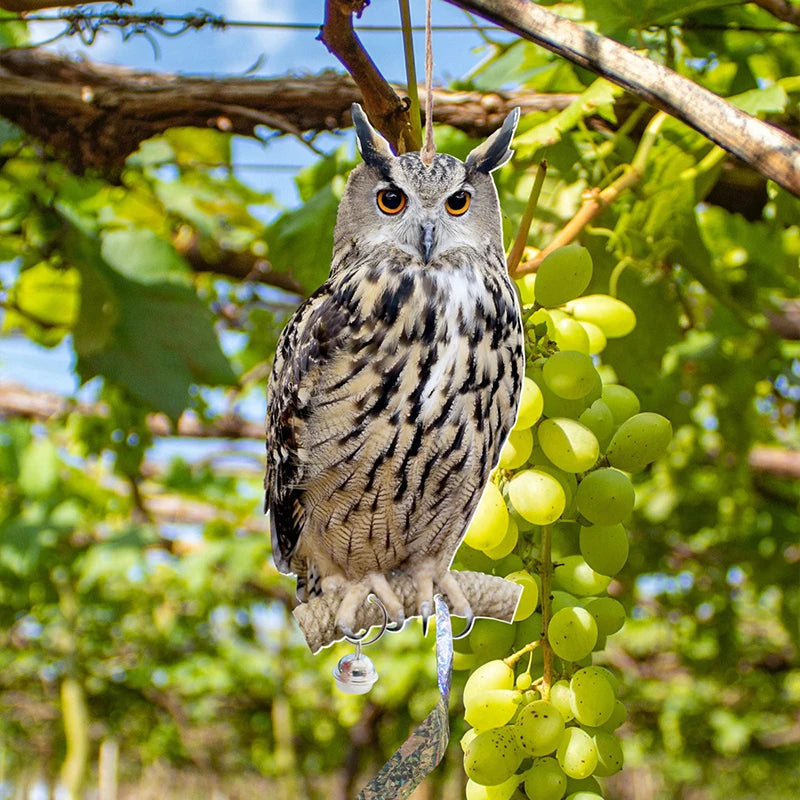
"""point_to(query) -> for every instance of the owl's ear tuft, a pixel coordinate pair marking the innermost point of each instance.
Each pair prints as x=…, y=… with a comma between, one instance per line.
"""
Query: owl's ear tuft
x=373, y=147
x=496, y=150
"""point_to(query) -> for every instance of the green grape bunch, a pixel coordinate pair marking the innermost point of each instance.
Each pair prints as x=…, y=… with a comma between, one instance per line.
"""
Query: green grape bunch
x=553, y=519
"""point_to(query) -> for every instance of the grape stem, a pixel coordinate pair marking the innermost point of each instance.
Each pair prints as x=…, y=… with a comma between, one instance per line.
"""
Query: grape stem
x=547, y=600
x=514, y=657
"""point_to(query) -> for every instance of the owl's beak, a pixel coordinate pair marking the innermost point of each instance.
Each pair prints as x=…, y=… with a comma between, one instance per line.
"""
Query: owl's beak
x=426, y=240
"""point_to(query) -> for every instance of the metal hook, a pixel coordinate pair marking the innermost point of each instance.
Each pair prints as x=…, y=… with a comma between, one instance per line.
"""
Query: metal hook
x=358, y=640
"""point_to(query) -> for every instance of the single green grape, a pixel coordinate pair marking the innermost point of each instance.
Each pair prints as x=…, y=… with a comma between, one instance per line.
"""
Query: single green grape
x=608, y=613
x=618, y=716
x=561, y=599
x=574, y=575
x=597, y=339
x=527, y=288
x=560, y=697
x=491, y=638
x=524, y=681
x=507, y=544
x=537, y=496
x=542, y=317
x=621, y=401
x=639, y=441
x=563, y=275
x=490, y=521
x=552, y=404
x=539, y=728
x=529, y=598
x=492, y=708
x=604, y=547
x=492, y=675
x=531, y=404
x=468, y=736
x=572, y=633
x=605, y=496
x=600, y=421
x=612, y=316
x=577, y=753
x=609, y=753
x=565, y=537
x=545, y=780
x=570, y=445
x=592, y=700
x=571, y=335
x=493, y=756
x=569, y=374
x=516, y=449
x=529, y=630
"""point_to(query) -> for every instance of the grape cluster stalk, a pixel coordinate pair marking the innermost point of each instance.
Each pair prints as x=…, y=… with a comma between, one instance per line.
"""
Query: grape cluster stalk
x=543, y=716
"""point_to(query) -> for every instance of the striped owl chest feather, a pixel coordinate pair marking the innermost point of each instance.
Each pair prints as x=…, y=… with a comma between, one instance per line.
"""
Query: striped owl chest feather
x=406, y=415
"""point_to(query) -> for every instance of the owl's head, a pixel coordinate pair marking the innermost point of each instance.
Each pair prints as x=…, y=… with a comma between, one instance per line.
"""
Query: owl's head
x=424, y=210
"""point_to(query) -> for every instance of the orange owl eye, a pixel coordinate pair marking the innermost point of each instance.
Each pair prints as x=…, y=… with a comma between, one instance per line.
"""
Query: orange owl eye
x=391, y=200
x=458, y=203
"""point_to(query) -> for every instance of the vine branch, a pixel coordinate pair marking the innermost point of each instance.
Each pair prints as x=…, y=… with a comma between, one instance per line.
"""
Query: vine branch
x=386, y=110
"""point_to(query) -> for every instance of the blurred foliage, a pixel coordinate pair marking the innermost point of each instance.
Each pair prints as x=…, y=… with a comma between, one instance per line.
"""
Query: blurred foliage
x=173, y=622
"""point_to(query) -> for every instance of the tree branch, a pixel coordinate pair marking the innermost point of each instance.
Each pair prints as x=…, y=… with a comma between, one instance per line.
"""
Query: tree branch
x=387, y=111
x=775, y=154
x=98, y=114
x=19, y=401
x=782, y=9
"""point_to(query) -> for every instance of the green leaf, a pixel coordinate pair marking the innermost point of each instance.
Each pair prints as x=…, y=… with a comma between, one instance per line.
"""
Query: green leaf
x=138, y=254
x=600, y=95
x=770, y=100
x=622, y=16
x=157, y=338
x=301, y=241
x=312, y=179
x=51, y=296
x=199, y=146
x=38, y=468
x=152, y=153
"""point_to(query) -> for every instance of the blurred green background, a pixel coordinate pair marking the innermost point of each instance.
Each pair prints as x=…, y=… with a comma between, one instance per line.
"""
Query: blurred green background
x=142, y=625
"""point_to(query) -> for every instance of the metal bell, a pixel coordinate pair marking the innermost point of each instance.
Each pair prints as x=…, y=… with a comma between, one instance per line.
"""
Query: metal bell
x=355, y=673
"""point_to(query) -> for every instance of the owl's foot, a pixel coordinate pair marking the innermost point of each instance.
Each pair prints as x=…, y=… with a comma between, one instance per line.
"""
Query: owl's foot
x=357, y=593
x=428, y=575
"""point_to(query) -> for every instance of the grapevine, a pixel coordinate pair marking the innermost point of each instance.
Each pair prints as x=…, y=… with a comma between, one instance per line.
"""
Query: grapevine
x=543, y=717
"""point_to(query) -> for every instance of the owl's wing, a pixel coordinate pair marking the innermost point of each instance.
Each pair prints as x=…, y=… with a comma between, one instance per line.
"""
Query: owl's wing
x=306, y=345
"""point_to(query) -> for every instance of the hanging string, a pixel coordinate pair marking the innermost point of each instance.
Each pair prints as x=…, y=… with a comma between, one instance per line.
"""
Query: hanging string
x=429, y=148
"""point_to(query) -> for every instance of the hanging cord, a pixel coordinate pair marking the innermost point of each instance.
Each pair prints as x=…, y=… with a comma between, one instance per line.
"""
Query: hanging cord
x=429, y=148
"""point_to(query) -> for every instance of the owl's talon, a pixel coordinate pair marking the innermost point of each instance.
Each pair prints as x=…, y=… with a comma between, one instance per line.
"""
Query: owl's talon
x=396, y=624
x=470, y=620
x=425, y=613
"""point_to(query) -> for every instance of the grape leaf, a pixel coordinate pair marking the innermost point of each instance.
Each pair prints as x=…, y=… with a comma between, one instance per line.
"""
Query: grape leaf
x=158, y=341
x=301, y=241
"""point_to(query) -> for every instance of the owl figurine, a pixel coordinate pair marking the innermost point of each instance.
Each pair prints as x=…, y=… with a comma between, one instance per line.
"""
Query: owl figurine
x=397, y=382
